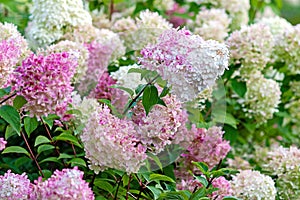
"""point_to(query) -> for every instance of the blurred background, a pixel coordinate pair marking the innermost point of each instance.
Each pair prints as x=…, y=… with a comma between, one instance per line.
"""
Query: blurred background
x=291, y=10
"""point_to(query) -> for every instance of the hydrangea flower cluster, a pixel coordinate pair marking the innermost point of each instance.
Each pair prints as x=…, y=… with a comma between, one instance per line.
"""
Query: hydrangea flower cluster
x=156, y=133
x=110, y=142
x=13, y=48
x=262, y=98
x=250, y=184
x=148, y=26
x=50, y=17
x=208, y=146
x=2, y=144
x=212, y=24
x=224, y=188
x=189, y=63
x=128, y=80
x=9, y=32
x=14, y=186
x=65, y=185
x=251, y=46
x=76, y=49
x=288, y=49
x=103, y=90
x=45, y=82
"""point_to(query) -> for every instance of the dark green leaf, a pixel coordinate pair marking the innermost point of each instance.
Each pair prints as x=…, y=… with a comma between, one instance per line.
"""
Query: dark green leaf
x=239, y=87
x=30, y=124
x=202, y=180
x=155, y=191
x=198, y=194
x=50, y=159
x=160, y=177
x=41, y=140
x=9, y=132
x=65, y=136
x=165, y=91
x=128, y=90
x=15, y=149
x=150, y=98
x=11, y=116
x=64, y=155
x=19, y=102
x=104, y=185
x=45, y=147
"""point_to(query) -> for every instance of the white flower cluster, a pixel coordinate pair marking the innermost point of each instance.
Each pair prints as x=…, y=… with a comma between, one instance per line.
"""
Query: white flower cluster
x=78, y=50
x=212, y=24
x=144, y=30
x=49, y=19
x=288, y=49
x=110, y=142
x=285, y=163
x=252, y=46
x=262, y=98
x=128, y=80
x=252, y=185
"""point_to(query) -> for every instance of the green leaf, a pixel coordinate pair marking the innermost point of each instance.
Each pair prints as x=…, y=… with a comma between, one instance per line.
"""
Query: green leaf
x=77, y=161
x=41, y=140
x=160, y=177
x=155, y=158
x=202, y=166
x=45, y=147
x=11, y=116
x=64, y=155
x=161, y=102
x=15, y=149
x=165, y=91
x=231, y=198
x=30, y=124
x=150, y=98
x=135, y=70
x=65, y=136
x=139, y=88
x=202, y=180
x=128, y=90
x=49, y=120
x=4, y=91
x=19, y=102
x=9, y=132
x=50, y=159
x=104, y=185
x=239, y=87
x=155, y=191
x=198, y=194
x=180, y=195
x=230, y=120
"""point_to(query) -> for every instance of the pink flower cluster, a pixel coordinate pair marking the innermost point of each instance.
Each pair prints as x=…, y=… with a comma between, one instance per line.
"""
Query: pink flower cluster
x=45, y=82
x=99, y=56
x=103, y=90
x=14, y=186
x=160, y=127
x=110, y=142
x=189, y=63
x=2, y=144
x=208, y=146
x=64, y=185
x=224, y=188
x=9, y=56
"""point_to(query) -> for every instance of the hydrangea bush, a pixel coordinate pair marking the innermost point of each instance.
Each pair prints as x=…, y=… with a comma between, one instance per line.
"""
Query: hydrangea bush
x=148, y=99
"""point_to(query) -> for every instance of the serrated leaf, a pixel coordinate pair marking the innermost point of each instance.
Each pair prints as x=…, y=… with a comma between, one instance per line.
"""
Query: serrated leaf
x=77, y=161
x=239, y=87
x=128, y=90
x=160, y=177
x=41, y=140
x=44, y=147
x=9, y=132
x=19, y=102
x=15, y=149
x=30, y=124
x=150, y=98
x=12, y=117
